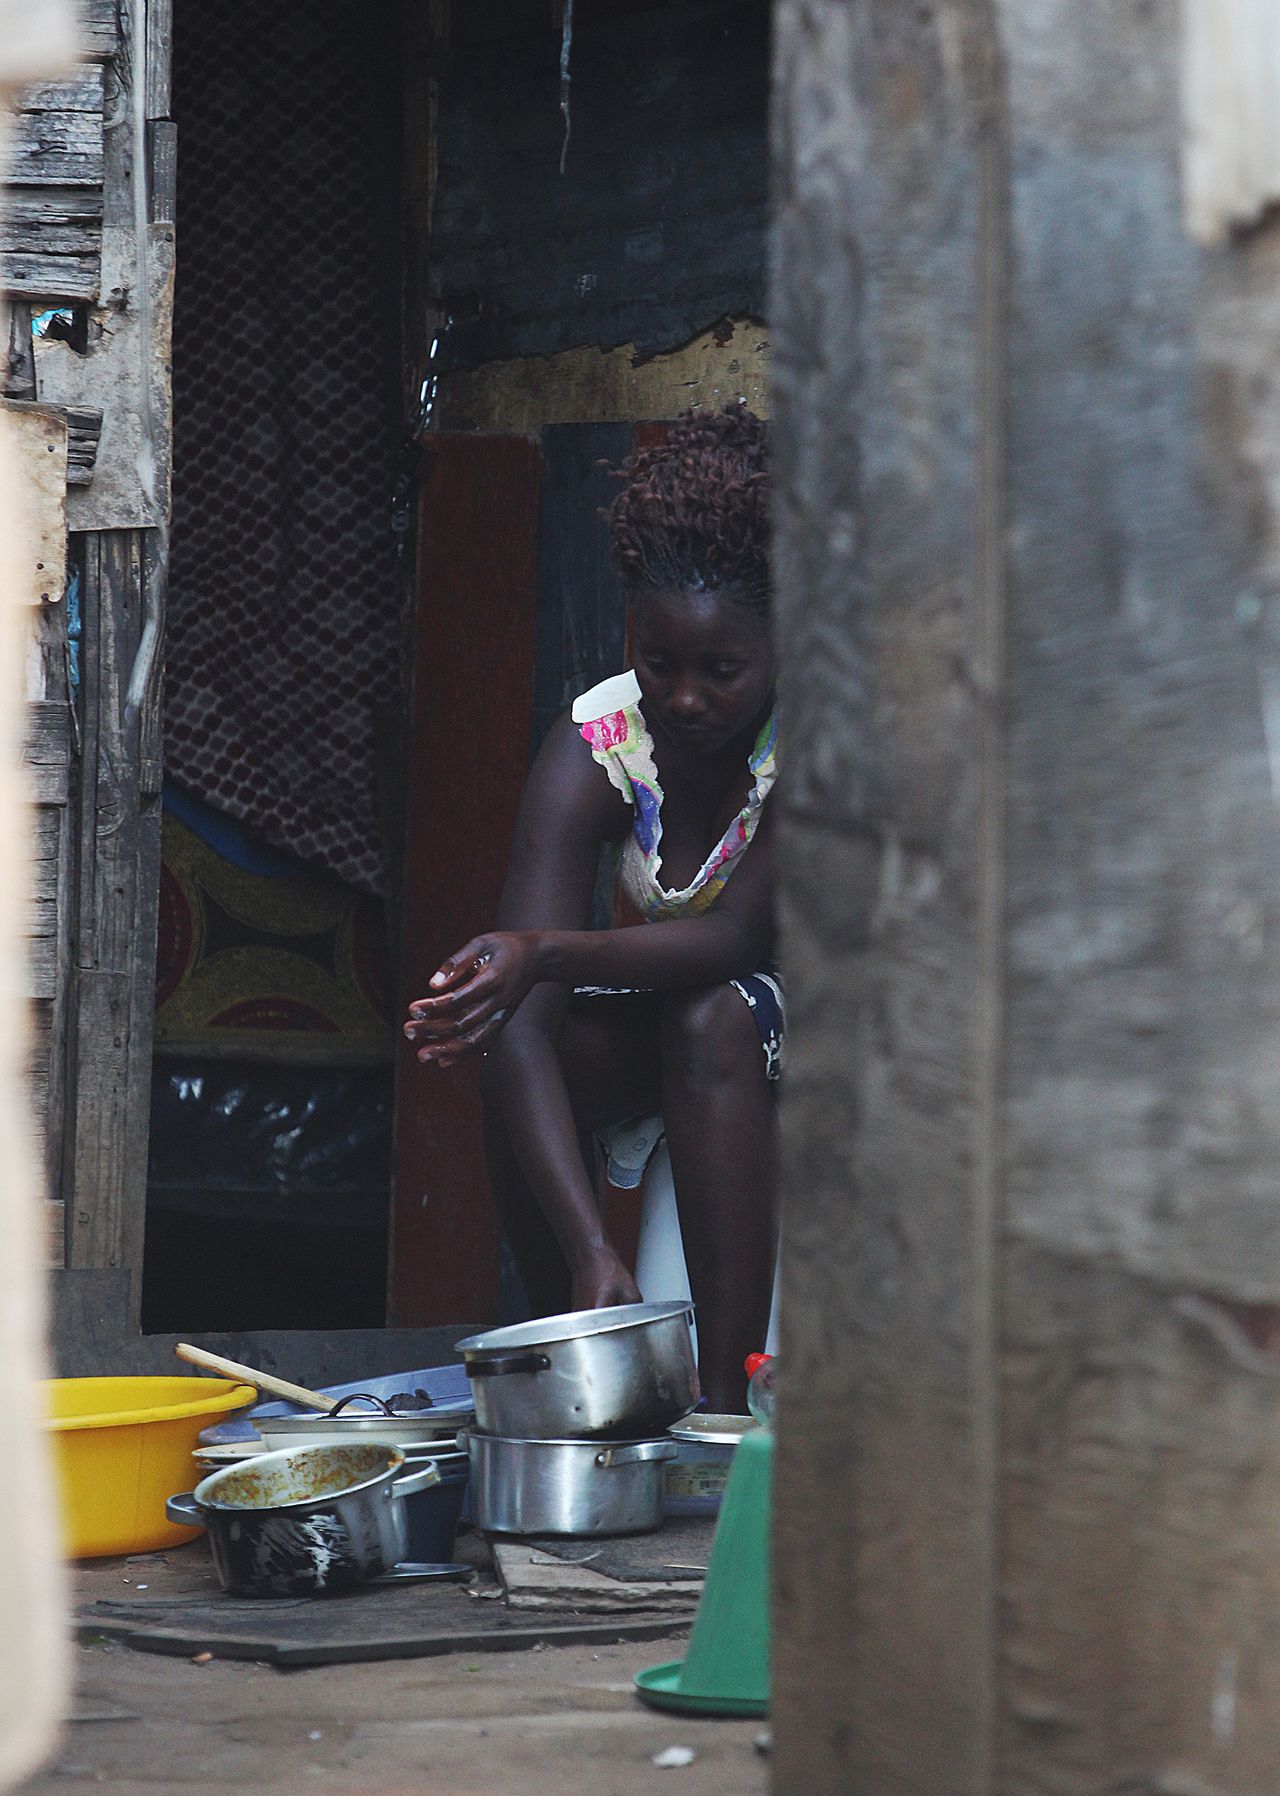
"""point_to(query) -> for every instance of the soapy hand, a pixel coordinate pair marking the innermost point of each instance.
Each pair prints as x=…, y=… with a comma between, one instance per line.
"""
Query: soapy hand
x=471, y=996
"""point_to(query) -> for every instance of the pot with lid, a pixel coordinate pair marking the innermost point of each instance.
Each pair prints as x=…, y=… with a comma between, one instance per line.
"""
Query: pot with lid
x=610, y=1374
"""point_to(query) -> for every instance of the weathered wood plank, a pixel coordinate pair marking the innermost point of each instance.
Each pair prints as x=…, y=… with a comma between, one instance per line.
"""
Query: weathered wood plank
x=55, y=1214
x=80, y=92
x=57, y=147
x=42, y=966
x=119, y=860
x=19, y=369
x=884, y=1645
x=48, y=750
x=84, y=433
x=99, y=28
x=159, y=57
x=46, y=840
x=51, y=243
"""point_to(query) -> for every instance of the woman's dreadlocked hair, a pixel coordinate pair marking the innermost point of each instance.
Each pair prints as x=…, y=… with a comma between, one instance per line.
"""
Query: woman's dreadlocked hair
x=695, y=509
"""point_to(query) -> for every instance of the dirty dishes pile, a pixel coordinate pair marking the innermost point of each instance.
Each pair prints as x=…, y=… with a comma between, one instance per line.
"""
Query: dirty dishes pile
x=571, y=1413
x=422, y=1435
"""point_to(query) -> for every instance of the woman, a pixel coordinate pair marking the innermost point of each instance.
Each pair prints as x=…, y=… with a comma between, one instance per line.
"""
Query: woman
x=585, y=1030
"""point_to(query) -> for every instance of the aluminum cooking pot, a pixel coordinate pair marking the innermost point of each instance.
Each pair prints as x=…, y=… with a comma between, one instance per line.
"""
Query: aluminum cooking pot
x=618, y=1373
x=306, y=1521
x=567, y=1487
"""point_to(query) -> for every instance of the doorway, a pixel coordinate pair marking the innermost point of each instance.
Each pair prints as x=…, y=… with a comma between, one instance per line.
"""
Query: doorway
x=269, y=1161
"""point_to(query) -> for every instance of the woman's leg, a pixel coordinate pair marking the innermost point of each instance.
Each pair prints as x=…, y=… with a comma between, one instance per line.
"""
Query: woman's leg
x=721, y=1126
x=609, y=1051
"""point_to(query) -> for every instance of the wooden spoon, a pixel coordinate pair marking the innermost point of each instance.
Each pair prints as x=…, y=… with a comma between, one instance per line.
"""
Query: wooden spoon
x=265, y=1381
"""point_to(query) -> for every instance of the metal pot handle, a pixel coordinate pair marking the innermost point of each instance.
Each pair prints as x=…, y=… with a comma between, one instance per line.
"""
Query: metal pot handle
x=410, y=1482
x=637, y=1453
x=383, y=1407
x=508, y=1362
x=184, y=1511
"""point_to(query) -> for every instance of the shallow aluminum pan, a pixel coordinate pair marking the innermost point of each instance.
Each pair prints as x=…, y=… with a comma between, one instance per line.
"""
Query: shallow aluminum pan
x=409, y=1433
x=705, y=1429
x=624, y=1373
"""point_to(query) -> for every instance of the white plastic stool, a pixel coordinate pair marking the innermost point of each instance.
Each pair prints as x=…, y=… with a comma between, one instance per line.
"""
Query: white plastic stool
x=660, y=1269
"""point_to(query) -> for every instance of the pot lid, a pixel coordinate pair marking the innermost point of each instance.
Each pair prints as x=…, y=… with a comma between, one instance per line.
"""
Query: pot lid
x=574, y=1325
x=710, y=1430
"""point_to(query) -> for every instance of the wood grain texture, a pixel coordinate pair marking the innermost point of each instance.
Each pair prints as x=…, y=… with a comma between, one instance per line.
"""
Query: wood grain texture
x=1029, y=446
x=1143, y=1083
x=57, y=138
x=884, y=1641
x=99, y=28
x=49, y=753
x=472, y=699
x=51, y=244
x=118, y=888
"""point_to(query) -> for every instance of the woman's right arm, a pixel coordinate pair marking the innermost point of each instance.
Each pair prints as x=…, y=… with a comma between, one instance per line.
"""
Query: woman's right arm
x=568, y=811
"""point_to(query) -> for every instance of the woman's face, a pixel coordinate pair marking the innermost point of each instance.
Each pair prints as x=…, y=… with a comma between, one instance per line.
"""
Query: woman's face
x=705, y=665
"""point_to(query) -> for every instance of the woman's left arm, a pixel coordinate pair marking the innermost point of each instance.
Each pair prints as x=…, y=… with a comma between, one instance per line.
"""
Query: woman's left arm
x=477, y=989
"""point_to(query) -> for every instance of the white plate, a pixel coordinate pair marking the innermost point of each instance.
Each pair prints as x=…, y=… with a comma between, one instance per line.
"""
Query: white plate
x=711, y=1430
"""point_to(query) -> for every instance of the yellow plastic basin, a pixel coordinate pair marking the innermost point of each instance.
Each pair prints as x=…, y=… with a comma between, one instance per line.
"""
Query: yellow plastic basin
x=122, y=1446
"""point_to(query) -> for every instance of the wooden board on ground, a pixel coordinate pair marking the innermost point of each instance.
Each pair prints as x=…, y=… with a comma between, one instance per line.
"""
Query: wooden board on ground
x=170, y=1603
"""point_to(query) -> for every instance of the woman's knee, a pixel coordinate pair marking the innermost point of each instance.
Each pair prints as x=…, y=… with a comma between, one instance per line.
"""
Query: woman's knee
x=708, y=1035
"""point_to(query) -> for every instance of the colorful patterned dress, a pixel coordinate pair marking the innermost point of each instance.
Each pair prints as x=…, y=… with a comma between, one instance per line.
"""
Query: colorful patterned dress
x=612, y=724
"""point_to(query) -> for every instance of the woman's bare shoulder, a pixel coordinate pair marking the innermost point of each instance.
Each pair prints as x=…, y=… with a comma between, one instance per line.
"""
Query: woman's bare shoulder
x=572, y=780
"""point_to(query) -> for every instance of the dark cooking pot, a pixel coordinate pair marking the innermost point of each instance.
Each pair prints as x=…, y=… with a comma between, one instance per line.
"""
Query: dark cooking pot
x=619, y=1373
x=305, y=1521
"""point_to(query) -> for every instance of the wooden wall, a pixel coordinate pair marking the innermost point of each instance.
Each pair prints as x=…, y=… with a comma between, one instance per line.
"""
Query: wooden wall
x=1029, y=444
x=70, y=241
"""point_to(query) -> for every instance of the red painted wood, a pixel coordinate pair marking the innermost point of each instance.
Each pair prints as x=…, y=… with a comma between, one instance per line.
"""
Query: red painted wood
x=472, y=700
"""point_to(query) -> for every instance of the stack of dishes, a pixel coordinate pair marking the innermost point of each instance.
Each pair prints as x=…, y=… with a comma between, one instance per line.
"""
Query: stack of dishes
x=424, y=1436
x=571, y=1418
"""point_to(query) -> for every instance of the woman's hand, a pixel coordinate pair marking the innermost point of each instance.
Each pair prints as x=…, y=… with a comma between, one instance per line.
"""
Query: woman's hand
x=472, y=995
x=600, y=1279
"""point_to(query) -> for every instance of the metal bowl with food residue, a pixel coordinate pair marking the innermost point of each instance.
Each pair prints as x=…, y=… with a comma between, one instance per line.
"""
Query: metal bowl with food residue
x=305, y=1521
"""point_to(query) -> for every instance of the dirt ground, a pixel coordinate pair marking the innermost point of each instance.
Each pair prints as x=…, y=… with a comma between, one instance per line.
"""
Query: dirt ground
x=560, y=1719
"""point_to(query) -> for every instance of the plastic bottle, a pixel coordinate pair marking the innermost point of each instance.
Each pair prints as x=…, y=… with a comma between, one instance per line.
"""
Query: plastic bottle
x=762, y=1370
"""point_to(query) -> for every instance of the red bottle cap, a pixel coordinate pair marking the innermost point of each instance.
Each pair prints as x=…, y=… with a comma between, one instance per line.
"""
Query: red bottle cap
x=754, y=1361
